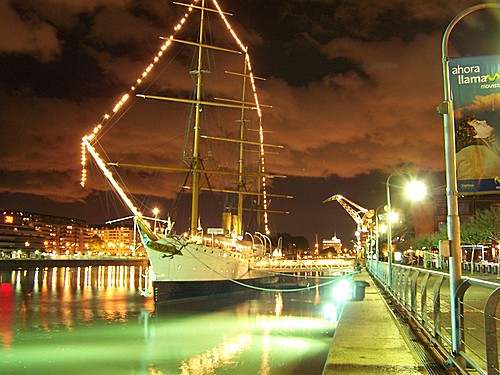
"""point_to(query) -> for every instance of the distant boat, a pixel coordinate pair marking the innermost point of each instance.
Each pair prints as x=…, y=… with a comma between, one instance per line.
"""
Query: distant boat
x=218, y=259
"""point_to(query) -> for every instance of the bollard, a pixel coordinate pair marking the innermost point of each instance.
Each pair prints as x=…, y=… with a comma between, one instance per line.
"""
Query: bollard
x=358, y=292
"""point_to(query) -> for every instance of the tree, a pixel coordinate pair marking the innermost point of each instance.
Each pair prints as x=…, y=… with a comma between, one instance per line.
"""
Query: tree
x=472, y=232
x=489, y=220
x=427, y=241
x=96, y=243
x=299, y=241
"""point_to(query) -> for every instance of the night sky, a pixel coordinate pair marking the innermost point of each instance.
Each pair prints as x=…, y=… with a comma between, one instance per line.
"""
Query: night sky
x=354, y=87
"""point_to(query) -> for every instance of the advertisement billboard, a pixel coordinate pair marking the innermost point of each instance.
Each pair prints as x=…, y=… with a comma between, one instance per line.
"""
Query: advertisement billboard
x=475, y=93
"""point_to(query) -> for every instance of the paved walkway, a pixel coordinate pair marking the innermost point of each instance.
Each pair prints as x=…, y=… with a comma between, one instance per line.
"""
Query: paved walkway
x=367, y=339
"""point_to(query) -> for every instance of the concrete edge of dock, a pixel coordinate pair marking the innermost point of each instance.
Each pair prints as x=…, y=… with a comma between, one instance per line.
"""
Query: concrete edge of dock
x=368, y=339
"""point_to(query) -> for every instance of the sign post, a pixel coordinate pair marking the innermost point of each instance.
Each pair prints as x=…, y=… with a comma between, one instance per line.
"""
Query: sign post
x=446, y=109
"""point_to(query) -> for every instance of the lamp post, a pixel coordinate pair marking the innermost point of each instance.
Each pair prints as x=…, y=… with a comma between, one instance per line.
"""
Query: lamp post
x=389, y=233
x=445, y=109
x=415, y=191
x=377, y=234
x=156, y=211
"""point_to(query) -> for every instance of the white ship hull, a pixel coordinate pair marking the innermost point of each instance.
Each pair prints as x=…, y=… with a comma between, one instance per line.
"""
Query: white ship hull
x=197, y=262
x=191, y=270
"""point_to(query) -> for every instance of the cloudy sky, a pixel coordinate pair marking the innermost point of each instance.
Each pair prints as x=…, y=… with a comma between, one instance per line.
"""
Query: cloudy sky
x=353, y=84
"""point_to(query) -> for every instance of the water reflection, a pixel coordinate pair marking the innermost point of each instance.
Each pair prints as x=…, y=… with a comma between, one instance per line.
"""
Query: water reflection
x=64, y=296
x=94, y=320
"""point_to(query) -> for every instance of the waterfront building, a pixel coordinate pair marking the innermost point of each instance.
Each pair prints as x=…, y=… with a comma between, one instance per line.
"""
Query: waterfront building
x=32, y=233
x=331, y=247
x=19, y=234
x=430, y=216
x=113, y=241
x=28, y=234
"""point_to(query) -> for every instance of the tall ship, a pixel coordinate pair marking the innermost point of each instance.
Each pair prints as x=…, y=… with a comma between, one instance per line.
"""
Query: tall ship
x=220, y=145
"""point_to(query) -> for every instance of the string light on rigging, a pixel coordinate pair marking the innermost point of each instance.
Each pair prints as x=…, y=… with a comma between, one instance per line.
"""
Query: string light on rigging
x=125, y=97
x=168, y=41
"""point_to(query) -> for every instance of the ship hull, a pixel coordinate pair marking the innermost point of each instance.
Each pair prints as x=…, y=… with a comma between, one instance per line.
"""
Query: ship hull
x=172, y=291
x=196, y=270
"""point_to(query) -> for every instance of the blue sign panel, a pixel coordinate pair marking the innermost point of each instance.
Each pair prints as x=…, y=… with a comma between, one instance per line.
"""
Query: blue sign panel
x=475, y=92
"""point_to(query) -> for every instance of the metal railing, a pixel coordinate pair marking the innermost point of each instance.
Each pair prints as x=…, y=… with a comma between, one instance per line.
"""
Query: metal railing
x=423, y=296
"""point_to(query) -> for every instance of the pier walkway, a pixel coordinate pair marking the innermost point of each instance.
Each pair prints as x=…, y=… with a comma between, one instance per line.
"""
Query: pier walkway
x=370, y=340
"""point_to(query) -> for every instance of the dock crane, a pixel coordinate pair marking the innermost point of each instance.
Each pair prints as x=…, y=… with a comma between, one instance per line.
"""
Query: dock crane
x=362, y=217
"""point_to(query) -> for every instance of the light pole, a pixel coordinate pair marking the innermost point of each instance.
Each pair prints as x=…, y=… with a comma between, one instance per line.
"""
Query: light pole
x=156, y=211
x=377, y=234
x=445, y=109
x=389, y=233
x=415, y=190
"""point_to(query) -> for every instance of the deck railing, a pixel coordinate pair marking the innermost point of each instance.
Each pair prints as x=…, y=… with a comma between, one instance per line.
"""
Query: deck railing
x=304, y=265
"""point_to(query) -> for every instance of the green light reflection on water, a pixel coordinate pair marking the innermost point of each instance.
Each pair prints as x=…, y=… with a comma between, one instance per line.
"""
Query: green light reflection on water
x=112, y=334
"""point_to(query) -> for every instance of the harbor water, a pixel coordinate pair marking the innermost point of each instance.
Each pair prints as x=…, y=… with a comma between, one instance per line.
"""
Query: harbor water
x=95, y=320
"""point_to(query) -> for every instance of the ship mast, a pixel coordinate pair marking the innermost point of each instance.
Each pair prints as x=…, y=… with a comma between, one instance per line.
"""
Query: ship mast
x=195, y=161
x=241, y=166
x=196, y=167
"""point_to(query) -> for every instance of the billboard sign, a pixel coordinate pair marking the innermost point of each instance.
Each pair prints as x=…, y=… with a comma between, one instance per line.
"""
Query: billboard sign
x=475, y=93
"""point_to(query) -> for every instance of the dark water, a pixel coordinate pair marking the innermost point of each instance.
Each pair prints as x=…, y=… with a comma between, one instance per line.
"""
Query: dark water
x=93, y=320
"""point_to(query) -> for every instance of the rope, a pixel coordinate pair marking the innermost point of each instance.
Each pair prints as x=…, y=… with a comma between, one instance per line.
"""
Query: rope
x=255, y=287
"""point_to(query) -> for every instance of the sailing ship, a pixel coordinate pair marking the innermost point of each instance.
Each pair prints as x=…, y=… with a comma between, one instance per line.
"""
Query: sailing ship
x=220, y=259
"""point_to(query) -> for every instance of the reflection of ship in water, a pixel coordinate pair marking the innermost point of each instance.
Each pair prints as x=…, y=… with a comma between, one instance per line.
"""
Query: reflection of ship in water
x=239, y=332
x=223, y=355
x=146, y=277
x=219, y=333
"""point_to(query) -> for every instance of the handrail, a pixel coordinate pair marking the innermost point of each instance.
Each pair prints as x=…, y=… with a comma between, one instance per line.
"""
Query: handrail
x=423, y=296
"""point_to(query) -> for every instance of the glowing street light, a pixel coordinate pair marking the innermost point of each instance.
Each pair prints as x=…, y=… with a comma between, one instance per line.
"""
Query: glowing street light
x=415, y=190
x=156, y=211
x=393, y=217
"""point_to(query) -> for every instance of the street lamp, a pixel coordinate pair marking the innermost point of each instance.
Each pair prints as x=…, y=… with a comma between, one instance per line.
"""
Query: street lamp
x=445, y=109
x=415, y=190
x=377, y=234
x=156, y=211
